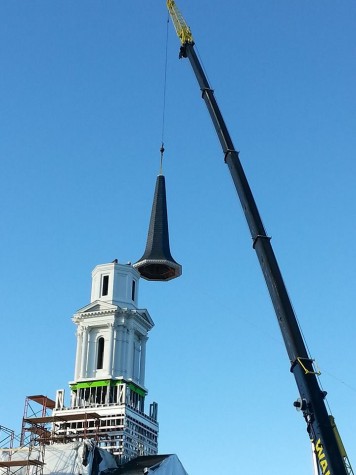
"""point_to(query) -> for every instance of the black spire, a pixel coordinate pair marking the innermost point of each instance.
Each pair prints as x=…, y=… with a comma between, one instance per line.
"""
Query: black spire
x=157, y=262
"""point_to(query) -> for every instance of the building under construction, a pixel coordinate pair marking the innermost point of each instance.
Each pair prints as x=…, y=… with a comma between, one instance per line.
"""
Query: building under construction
x=106, y=424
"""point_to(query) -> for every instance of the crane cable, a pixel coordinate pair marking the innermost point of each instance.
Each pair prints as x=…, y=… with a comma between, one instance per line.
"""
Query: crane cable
x=164, y=98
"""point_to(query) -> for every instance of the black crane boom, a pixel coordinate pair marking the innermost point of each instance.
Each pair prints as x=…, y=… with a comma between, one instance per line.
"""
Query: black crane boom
x=320, y=424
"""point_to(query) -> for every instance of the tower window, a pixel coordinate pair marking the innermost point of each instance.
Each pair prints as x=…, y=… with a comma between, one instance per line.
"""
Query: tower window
x=100, y=358
x=133, y=290
x=105, y=285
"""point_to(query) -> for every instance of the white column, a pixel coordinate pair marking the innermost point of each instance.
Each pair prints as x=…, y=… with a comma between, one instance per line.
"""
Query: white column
x=110, y=349
x=143, y=360
x=78, y=355
x=124, y=351
x=130, y=353
x=137, y=360
x=118, y=351
x=84, y=352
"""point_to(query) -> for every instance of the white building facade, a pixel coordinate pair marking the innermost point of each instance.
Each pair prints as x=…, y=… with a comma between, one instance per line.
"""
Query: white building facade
x=108, y=391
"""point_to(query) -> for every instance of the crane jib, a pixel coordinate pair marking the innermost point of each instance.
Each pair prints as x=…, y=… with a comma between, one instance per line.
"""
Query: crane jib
x=332, y=460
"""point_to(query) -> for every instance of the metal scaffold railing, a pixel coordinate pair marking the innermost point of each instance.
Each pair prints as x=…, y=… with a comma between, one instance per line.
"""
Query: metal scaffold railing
x=28, y=457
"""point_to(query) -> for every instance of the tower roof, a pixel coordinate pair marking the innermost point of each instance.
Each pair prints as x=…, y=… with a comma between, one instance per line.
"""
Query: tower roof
x=157, y=262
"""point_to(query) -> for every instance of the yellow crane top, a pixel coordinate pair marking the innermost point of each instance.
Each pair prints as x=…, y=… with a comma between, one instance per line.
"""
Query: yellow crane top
x=182, y=29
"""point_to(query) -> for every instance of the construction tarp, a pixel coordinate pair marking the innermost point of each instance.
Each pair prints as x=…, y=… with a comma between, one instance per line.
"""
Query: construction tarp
x=169, y=466
x=76, y=458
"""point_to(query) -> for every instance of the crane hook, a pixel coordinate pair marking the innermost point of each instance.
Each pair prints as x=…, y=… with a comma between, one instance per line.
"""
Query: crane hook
x=162, y=152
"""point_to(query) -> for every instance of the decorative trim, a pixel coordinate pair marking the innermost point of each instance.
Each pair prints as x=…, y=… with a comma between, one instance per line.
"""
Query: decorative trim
x=92, y=384
x=137, y=390
x=108, y=382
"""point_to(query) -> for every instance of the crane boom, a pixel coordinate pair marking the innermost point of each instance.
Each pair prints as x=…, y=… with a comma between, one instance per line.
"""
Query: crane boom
x=182, y=29
x=311, y=402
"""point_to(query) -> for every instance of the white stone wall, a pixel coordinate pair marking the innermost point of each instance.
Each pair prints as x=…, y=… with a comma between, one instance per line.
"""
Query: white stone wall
x=120, y=282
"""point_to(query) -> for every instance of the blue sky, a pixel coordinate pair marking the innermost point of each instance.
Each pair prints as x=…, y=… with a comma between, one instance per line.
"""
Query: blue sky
x=81, y=101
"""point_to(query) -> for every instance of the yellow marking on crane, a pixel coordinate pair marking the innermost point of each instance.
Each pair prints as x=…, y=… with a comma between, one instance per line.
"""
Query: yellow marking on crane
x=321, y=457
x=306, y=371
x=181, y=27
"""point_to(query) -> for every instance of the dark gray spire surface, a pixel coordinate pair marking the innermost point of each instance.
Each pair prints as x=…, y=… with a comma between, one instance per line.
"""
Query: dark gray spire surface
x=157, y=262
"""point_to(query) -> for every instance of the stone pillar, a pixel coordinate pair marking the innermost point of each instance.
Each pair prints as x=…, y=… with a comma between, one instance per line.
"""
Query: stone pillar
x=124, y=351
x=130, y=353
x=118, y=351
x=78, y=355
x=84, y=356
x=110, y=350
x=143, y=360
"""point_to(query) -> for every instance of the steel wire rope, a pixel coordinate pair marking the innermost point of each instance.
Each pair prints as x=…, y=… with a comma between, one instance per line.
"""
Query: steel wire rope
x=295, y=313
x=164, y=96
x=318, y=376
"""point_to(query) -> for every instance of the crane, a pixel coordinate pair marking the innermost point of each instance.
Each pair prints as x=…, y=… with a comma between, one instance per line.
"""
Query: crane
x=328, y=447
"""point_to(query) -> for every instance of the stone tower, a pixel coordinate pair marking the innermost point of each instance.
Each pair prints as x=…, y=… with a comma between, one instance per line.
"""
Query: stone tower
x=108, y=392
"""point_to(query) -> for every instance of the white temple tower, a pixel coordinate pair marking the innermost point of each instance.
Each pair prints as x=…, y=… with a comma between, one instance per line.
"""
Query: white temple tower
x=108, y=392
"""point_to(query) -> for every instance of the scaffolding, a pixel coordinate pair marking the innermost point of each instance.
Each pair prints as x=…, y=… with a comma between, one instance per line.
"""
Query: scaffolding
x=122, y=427
x=36, y=408
x=39, y=429
x=113, y=418
x=7, y=437
x=29, y=456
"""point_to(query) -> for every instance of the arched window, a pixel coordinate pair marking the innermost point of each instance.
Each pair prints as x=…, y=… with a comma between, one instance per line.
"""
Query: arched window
x=100, y=357
x=105, y=285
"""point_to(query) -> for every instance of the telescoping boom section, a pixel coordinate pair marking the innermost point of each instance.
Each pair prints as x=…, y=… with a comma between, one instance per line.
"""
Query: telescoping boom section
x=320, y=425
